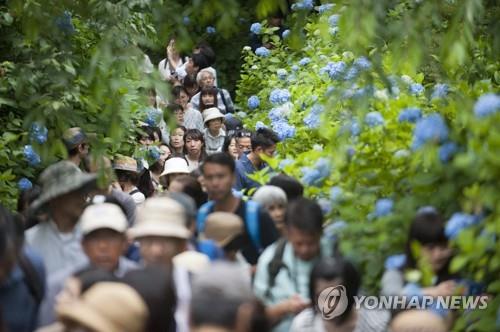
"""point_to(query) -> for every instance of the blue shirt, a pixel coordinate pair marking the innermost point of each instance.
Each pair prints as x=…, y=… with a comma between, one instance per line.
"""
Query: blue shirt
x=244, y=167
x=17, y=303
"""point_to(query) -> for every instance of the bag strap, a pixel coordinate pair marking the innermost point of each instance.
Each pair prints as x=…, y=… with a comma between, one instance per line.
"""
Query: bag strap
x=135, y=191
x=252, y=223
x=31, y=277
x=275, y=265
x=203, y=212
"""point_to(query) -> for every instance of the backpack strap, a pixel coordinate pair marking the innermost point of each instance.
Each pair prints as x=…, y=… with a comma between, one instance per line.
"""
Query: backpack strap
x=252, y=223
x=203, y=212
x=275, y=265
x=223, y=97
x=31, y=277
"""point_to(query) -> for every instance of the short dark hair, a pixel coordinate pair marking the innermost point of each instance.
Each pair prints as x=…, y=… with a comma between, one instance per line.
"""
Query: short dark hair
x=176, y=91
x=264, y=138
x=305, y=215
x=292, y=187
x=200, y=61
x=127, y=176
x=219, y=158
x=173, y=107
x=207, y=51
x=189, y=81
x=149, y=132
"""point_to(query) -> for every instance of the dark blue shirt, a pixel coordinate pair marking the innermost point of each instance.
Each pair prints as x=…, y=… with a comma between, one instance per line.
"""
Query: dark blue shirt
x=244, y=167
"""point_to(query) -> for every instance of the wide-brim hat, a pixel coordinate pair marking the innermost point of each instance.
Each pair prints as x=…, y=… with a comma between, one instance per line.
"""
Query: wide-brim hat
x=160, y=216
x=62, y=178
x=211, y=114
x=107, y=306
x=125, y=163
x=175, y=165
x=223, y=227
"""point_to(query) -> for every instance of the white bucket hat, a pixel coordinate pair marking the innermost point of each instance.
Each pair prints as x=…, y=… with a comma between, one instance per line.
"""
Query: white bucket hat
x=160, y=216
x=175, y=165
x=212, y=113
x=103, y=215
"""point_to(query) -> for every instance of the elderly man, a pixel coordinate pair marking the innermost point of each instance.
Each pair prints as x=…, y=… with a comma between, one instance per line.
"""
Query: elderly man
x=206, y=78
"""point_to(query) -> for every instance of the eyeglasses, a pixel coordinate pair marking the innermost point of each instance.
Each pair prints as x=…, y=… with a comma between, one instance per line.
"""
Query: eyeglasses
x=241, y=134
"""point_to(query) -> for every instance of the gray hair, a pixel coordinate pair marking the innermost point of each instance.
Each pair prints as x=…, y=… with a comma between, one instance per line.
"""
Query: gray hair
x=269, y=195
x=200, y=74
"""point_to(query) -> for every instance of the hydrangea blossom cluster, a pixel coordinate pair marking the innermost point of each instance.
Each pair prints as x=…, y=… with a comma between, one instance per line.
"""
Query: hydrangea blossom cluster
x=333, y=20
x=395, y=262
x=487, y=104
x=263, y=52
x=355, y=128
x=416, y=89
x=65, y=24
x=285, y=34
x=253, y=102
x=383, y=207
x=154, y=153
x=285, y=162
x=260, y=125
x=313, y=119
x=430, y=128
x=38, y=133
x=352, y=73
x=31, y=156
x=295, y=68
x=374, y=119
x=281, y=73
x=336, y=193
x=334, y=69
x=304, y=61
x=153, y=116
x=256, y=28
x=410, y=114
x=447, y=150
x=325, y=205
x=303, y=5
x=316, y=175
x=211, y=30
x=458, y=222
x=24, y=184
x=325, y=7
x=186, y=20
x=362, y=63
x=279, y=96
x=440, y=91
x=283, y=129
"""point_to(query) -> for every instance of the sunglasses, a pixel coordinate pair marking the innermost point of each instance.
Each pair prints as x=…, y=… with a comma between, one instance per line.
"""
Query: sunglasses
x=241, y=134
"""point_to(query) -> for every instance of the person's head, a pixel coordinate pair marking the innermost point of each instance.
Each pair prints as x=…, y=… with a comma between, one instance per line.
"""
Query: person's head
x=147, y=135
x=205, y=78
x=229, y=146
x=204, y=48
x=427, y=229
x=177, y=111
x=190, y=85
x=196, y=62
x=76, y=142
x=161, y=230
x=103, y=227
x=188, y=204
x=304, y=225
x=174, y=167
x=26, y=197
x=190, y=186
x=291, y=186
x=195, y=143
x=273, y=199
x=208, y=98
x=177, y=138
x=156, y=286
x=181, y=96
x=264, y=142
x=418, y=320
x=126, y=170
x=218, y=175
x=333, y=272
x=232, y=123
x=165, y=152
x=243, y=142
x=227, y=230
x=213, y=119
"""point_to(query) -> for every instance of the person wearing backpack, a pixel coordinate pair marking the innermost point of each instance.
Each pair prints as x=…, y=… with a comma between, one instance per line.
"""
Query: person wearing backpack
x=219, y=176
x=283, y=272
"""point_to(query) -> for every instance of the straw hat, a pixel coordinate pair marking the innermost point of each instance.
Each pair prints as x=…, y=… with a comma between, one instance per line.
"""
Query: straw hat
x=103, y=215
x=59, y=179
x=175, y=165
x=125, y=163
x=223, y=227
x=107, y=307
x=212, y=113
x=73, y=137
x=160, y=216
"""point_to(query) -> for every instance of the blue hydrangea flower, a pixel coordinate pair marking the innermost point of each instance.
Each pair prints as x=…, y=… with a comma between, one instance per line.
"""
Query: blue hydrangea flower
x=458, y=222
x=285, y=34
x=446, y=151
x=383, y=207
x=313, y=119
x=65, y=24
x=334, y=69
x=279, y=96
x=374, y=119
x=440, y=91
x=352, y=73
x=260, y=125
x=487, y=104
x=395, y=262
x=416, y=89
x=38, y=133
x=303, y=5
x=430, y=128
x=24, y=184
x=330, y=90
x=315, y=176
x=283, y=129
x=410, y=114
x=285, y=162
x=325, y=205
x=332, y=230
x=304, y=61
x=355, y=128
x=362, y=63
x=336, y=193
x=211, y=30
x=275, y=114
x=351, y=151
x=333, y=20
x=281, y=73
x=253, y=102
x=263, y=52
x=154, y=153
x=186, y=20
x=256, y=28
x=324, y=8
x=153, y=116
x=31, y=156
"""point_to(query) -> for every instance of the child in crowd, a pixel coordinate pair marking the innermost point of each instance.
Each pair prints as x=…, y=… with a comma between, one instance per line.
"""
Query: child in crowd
x=214, y=134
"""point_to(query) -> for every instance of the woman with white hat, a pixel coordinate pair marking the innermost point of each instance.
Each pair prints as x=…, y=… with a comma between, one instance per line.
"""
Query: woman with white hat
x=214, y=134
x=128, y=177
x=174, y=167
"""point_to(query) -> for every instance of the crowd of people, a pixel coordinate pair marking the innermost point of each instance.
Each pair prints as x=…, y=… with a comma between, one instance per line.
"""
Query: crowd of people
x=182, y=239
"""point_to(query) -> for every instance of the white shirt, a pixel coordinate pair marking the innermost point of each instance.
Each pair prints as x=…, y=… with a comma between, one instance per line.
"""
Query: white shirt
x=166, y=71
